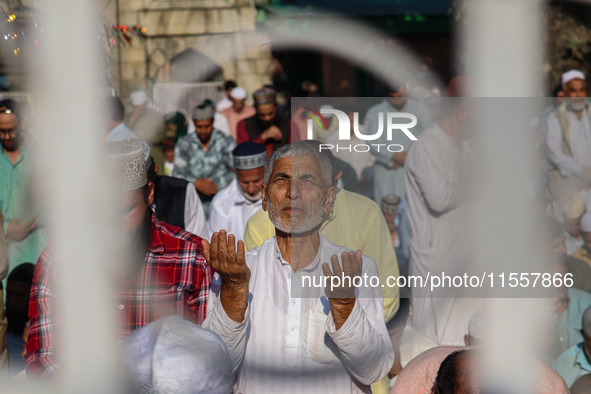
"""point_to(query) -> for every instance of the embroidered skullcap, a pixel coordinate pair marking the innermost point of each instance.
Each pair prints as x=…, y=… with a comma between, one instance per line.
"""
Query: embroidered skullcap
x=238, y=93
x=570, y=75
x=204, y=111
x=587, y=321
x=172, y=355
x=264, y=96
x=573, y=206
x=477, y=326
x=138, y=97
x=390, y=204
x=249, y=155
x=126, y=160
x=586, y=222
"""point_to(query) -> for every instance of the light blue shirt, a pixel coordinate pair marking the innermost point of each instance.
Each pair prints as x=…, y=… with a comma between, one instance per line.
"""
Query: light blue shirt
x=569, y=321
x=121, y=133
x=17, y=202
x=572, y=364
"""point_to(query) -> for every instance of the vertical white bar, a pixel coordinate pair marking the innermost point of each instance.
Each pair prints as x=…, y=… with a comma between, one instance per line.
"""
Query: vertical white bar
x=505, y=59
x=68, y=74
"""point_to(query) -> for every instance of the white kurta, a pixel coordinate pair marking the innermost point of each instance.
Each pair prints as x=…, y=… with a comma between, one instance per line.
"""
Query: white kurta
x=436, y=187
x=386, y=180
x=580, y=144
x=290, y=344
x=230, y=211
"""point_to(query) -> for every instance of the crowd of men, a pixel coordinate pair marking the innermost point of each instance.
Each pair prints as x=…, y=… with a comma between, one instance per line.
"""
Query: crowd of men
x=230, y=210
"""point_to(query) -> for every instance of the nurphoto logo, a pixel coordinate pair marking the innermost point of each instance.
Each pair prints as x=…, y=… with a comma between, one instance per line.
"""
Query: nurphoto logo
x=395, y=122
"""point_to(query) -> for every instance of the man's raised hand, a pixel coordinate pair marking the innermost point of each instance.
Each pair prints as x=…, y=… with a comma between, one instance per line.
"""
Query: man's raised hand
x=342, y=297
x=230, y=264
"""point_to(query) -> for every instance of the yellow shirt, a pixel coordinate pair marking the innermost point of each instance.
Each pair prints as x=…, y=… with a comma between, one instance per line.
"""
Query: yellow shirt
x=357, y=223
x=581, y=254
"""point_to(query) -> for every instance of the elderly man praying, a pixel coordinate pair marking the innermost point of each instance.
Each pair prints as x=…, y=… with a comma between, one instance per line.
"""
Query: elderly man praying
x=290, y=338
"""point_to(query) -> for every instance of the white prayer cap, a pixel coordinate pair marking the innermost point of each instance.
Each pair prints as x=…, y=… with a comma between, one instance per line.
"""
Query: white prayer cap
x=477, y=326
x=325, y=107
x=238, y=93
x=126, y=162
x=172, y=355
x=570, y=75
x=138, y=97
x=573, y=206
x=586, y=222
x=587, y=321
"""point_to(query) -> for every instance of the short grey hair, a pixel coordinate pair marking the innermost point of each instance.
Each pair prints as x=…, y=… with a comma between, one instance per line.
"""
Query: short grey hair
x=308, y=148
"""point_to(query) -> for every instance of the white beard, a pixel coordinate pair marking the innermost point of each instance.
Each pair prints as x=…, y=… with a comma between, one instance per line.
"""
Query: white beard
x=255, y=198
x=306, y=225
x=576, y=106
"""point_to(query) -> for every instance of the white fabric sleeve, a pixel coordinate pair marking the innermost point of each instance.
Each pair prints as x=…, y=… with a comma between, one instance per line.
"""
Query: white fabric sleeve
x=217, y=217
x=567, y=165
x=232, y=333
x=425, y=164
x=221, y=123
x=363, y=340
x=194, y=215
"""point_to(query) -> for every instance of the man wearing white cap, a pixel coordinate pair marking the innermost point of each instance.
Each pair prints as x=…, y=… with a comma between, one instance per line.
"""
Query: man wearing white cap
x=165, y=275
x=234, y=205
x=238, y=111
x=574, y=362
x=573, y=208
x=568, y=140
x=584, y=252
x=143, y=120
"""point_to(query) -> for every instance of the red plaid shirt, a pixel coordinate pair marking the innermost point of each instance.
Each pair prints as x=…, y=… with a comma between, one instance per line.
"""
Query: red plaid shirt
x=174, y=280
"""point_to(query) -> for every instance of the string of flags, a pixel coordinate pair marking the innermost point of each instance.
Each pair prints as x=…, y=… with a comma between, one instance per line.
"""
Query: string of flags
x=123, y=33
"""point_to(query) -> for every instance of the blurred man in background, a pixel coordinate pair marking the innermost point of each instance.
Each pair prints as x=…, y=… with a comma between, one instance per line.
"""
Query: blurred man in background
x=267, y=126
x=204, y=158
x=238, y=111
x=116, y=129
x=389, y=168
x=234, y=205
x=22, y=216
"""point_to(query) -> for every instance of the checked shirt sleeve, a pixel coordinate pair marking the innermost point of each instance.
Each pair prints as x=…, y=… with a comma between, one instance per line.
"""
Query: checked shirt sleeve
x=40, y=356
x=197, y=301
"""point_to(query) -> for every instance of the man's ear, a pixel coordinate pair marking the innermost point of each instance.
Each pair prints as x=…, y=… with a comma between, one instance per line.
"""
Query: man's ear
x=150, y=193
x=330, y=197
x=264, y=197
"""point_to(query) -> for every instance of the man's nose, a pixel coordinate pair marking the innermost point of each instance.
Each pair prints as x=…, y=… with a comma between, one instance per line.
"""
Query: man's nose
x=251, y=189
x=294, y=190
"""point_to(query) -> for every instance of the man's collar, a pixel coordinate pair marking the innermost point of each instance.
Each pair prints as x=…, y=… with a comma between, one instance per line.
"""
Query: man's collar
x=582, y=360
x=156, y=243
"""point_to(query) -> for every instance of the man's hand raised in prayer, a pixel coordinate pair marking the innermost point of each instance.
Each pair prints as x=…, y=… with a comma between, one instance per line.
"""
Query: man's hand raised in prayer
x=223, y=257
x=272, y=133
x=342, y=298
x=205, y=186
x=18, y=230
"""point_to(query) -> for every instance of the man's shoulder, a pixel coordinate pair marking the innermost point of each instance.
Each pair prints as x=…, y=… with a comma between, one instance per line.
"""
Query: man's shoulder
x=170, y=181
x=355, y=203
x=223, y=137
x=225, y=195
x=174, y=237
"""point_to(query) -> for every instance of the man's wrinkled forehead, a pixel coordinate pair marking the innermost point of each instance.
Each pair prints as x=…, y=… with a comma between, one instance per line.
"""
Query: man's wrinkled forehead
x=297, y=167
